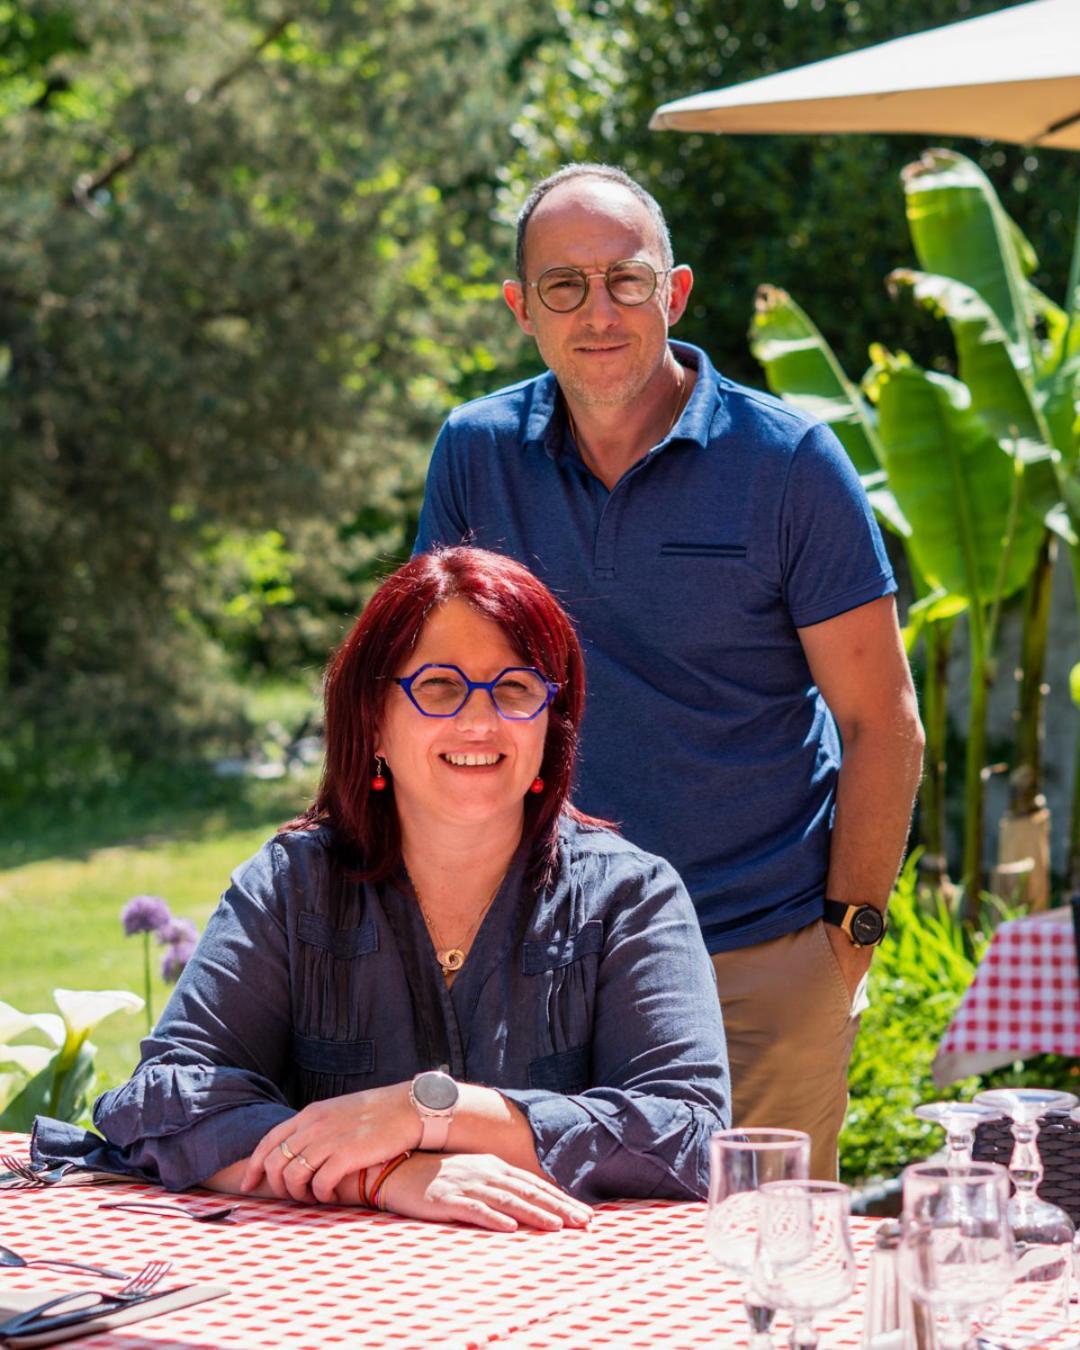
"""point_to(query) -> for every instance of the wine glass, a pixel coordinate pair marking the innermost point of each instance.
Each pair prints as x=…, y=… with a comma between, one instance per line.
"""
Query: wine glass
x=743, y=1160
x=956, y=1253
x=1044, y=1233
x=959, y=1120
x=804, y=1250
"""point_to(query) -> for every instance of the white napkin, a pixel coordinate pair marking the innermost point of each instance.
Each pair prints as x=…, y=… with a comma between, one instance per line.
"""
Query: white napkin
x=15, y=1301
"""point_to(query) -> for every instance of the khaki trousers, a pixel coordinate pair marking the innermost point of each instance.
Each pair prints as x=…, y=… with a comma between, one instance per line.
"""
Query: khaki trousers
x=790, y=1025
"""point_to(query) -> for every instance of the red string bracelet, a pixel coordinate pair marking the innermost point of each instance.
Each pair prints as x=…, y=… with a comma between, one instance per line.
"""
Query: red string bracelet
x=388, y=1169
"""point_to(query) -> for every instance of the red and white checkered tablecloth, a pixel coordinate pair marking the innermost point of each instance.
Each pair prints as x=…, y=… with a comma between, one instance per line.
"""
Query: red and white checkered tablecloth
x=1023, y=1001
x=312, y=1278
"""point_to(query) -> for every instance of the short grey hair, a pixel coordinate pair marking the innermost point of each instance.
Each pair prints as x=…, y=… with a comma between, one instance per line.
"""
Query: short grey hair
x=608, y=173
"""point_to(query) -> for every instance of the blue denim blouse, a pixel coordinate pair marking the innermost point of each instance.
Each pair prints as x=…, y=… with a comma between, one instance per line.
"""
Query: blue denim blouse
x=591, y=1005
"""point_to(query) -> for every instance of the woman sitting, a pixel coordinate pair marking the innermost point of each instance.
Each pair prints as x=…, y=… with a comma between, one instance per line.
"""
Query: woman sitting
x=442, y=989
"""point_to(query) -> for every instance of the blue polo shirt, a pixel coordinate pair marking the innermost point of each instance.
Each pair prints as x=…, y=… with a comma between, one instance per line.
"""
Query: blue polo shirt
x=705, y=738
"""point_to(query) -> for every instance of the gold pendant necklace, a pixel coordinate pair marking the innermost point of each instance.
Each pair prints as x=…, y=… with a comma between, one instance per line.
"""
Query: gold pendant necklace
x=451, y=959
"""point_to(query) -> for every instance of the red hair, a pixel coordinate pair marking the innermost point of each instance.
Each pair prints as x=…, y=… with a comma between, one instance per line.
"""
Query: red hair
x=364, y=822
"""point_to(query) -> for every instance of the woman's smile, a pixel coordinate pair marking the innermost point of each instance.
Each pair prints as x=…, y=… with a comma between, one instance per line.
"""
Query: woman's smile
x=473, y=760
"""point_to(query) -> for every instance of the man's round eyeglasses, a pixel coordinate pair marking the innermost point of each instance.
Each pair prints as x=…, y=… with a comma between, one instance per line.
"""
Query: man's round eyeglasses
x=629, y=282
x=519, y=693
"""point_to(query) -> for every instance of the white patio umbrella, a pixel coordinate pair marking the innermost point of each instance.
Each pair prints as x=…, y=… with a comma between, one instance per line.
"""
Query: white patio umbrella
x=1011, y=76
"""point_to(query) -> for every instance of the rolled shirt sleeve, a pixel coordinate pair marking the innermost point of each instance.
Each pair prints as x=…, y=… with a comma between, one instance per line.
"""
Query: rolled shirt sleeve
x=659, y=1058
x=208, y=1086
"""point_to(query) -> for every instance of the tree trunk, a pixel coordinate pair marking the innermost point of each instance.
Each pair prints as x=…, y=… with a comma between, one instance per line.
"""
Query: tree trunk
x=1024, y=830
x=934, y=863
x=975, y=764
x=1025, y=781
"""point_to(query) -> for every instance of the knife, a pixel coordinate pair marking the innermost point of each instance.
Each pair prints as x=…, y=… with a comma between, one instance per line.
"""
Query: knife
x=33, y=1321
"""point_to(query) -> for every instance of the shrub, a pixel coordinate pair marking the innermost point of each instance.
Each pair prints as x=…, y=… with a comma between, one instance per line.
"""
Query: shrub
x=917, y=979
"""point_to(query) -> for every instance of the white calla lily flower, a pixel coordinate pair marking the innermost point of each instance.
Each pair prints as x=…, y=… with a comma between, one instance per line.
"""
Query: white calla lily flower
x=13, y=1023
x=30, y=1058
x=83, y=1009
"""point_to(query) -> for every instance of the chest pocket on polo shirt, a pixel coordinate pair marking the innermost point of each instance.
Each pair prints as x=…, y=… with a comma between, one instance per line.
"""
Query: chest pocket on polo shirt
x=691, y=550
x=695, y=587
x=569, y=964
x=327, y=1066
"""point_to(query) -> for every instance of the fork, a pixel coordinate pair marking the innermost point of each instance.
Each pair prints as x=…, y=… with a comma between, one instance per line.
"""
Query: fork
x=23, y=1175
x=136, y=1289
x=16, y=1165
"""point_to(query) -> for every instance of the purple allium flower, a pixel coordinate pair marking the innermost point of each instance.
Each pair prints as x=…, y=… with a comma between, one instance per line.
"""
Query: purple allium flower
x=177, y=931
x=176, y=958
x=145, y=914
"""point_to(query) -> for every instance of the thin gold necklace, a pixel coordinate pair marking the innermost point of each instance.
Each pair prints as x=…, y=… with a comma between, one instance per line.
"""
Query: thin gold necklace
x=451, y=959
x=679, y=405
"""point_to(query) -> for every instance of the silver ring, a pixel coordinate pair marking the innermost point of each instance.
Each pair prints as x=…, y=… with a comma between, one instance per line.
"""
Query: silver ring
x=289, y=1154
x=301, y=1159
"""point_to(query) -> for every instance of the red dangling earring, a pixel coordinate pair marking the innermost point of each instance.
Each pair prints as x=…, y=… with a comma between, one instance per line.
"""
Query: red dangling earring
x=378, y=782
x=537, y=784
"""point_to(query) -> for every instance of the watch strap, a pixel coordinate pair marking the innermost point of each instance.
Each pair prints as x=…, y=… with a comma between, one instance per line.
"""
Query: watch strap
x=434, y=1130
x=836, y=912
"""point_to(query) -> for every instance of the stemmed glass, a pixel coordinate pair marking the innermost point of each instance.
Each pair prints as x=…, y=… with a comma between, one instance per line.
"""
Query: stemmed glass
x=804, y=1249
x=959, y=1120
x=1044, y=1233
x=956, y=1253
x=742, y=1161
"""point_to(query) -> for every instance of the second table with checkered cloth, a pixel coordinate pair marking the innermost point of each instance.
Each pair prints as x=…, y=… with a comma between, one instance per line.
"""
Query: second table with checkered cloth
x=1023, y=1001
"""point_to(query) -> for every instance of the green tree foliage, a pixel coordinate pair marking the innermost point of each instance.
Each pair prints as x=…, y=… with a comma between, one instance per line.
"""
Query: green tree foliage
x=813, y=214
x=249, y=255
x=245, y=270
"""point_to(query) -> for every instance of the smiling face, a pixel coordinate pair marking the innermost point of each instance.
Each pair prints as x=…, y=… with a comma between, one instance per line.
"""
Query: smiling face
x=603, y=354
x=473, y=768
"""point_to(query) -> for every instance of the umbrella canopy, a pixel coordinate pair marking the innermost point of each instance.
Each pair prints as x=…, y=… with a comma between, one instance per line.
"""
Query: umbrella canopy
x=1009, y=76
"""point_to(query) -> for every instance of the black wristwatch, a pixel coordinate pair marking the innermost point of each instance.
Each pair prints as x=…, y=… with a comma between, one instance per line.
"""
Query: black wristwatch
x=864, y=924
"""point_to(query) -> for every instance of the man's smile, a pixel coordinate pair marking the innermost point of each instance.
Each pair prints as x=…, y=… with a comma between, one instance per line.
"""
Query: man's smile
x=600, y=348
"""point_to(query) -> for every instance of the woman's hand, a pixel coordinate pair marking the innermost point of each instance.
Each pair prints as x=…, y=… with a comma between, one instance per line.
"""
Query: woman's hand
x=480, y=1189
x=329, y=1140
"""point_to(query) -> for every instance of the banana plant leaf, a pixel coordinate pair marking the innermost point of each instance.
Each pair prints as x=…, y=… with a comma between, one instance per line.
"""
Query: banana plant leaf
x=1057, y=377
x=802, y=368
x=932, y=608
x=999, y=393
x=1049, y=355
x=953, y=482
x=1005, y=399
x=960, y=230
x=1061, y=411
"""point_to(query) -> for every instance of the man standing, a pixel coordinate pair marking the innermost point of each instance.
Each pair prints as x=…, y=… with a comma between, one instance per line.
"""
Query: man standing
x=735, y=605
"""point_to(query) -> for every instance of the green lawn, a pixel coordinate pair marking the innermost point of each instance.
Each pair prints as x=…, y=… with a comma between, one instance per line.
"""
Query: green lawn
x=60, y=914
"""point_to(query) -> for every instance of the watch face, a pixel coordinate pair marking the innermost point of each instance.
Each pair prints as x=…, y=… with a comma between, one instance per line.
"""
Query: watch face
x=867, y=925
x=437, y=1091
